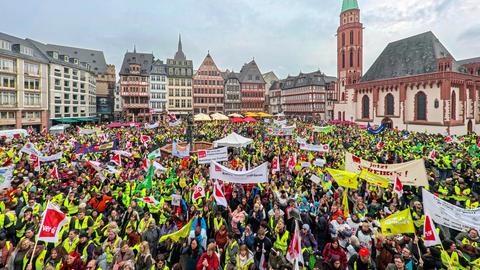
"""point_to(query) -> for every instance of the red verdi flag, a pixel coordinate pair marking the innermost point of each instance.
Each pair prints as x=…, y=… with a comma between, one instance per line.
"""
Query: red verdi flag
x=145, y=138
x=398, y=186
x=52, y=222
x=117, y=159
x=54, y=172
x=219, y=196
x=430, y=236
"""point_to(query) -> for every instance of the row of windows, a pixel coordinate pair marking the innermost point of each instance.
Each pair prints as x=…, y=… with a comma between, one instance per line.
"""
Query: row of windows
x=233, y=97
x=157, y=105
x=180, y=103
x=253, y=86
x=157, y=78
x=208, y=91
x=8, y=98
x=420, y=106
x=175, y=62
x=208, y=100
x=253, y=94
x=134, y=79
x=252, y=105
x=209, y=73
x=232, y=106
x=31, y=99
x=180, y=92
x=7, y=65
x=31, y=69
x=32, y=84
x=157, y=95
x=232, y=88
x=66, y=109
x=179, y=82
x=351, y=57
x=7, y=115
x=157, y=86
x=180, y=71
x=30, y=115
x=135, y=89
x=135, y=100
x=7, y=81
x=208, y=82
x=351, y=37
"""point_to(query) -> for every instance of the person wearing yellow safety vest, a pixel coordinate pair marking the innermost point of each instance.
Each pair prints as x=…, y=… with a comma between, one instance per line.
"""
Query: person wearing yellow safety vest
x=71, y=204
x=111, y=245
x=469, y=243
x=6, y=249
x=22, y=223
x=231, y=251
x=143, y=224
x=472, y=202
x=70, y=244
x=36, y=208
x=244, y=258
x=282, y=237
x=56, y=258
x=451, y=257
x=81, y=221
x=462, y=192
x=85, y=247
x=417, y=214
x=133, y=240
x=38, y=261
x=361, y=261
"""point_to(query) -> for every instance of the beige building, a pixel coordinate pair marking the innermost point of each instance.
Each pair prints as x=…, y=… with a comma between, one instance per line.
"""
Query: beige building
x=23, y=85
x=179, y=88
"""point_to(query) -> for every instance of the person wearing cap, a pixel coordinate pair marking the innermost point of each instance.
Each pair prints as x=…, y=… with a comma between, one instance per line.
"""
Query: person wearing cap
x=85, y=247
x=361, y=261
x=6, y=249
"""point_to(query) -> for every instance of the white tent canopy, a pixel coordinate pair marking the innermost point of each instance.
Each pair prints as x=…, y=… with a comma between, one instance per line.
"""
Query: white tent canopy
x=233, y=140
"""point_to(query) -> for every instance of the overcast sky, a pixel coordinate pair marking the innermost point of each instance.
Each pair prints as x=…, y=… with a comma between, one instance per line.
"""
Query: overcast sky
x=286, y=36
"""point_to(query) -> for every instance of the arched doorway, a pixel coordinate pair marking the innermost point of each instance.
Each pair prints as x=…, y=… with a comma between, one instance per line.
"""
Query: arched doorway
x=387, y=122
x=470, y=126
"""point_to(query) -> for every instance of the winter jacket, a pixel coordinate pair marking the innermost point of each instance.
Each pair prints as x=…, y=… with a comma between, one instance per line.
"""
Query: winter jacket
x=329, y=252
x=212, y=262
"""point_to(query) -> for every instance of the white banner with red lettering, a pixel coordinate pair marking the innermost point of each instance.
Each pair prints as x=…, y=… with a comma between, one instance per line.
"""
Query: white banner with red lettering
x=52, y=222
x=207, y=156
x=315, y=147
x=449, y=215
x=411, y=173
x=254, y=176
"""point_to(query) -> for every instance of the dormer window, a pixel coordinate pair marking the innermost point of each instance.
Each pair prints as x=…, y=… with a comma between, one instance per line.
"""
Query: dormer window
x=55, y=55
x=65, y=58
x=75, y=61
x=26, y=50
x=5, y=45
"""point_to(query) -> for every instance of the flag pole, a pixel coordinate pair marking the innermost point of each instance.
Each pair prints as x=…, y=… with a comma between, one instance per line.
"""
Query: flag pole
x=38, y=234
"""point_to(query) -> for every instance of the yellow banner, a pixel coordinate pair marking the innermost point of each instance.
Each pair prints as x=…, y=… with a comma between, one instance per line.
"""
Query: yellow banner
x=374, y=179
x=182, y=233
x=400, y=222
x=343, y=178
x=346, y=209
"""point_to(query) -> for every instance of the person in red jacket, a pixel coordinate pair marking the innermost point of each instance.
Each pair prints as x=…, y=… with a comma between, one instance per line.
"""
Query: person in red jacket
x=99, y=202
x=333, y=248
x=209, y=259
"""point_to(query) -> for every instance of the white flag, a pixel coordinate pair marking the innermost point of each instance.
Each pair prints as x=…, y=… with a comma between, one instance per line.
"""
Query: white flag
x=219, y=196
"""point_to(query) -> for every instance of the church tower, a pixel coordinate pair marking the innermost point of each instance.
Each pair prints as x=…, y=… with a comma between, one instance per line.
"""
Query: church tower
x=349, y=47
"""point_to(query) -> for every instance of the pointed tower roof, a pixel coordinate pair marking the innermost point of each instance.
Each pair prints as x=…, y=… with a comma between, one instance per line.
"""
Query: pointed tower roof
x=179, y=55
x=349, y=4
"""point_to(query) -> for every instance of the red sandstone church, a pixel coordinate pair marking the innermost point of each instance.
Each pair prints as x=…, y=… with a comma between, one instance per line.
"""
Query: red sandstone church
x=415, y=83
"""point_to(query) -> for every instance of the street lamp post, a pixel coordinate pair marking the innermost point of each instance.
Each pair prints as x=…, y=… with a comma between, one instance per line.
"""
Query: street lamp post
x=190, y=129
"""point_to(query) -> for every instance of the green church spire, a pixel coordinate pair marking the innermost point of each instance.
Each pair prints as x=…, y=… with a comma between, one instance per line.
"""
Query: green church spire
x=349, y=4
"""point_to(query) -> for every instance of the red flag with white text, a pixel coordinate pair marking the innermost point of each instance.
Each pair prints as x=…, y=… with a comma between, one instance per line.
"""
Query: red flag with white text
x=430, y=235
x=294, y=252
x=117, y=159
x=199, y=191
x=52, y=222
x=219, y=196
x=398, y=186
x=54, y=172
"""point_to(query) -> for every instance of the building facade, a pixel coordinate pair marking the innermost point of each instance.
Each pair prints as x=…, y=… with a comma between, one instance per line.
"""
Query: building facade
x=158, y=89
x=180, y=72
x=252, y=87
x=118, y=107
x=309, y=94
x=135, y=85
x=232, y=97
x=23, y=85
x=415, y=84
x=269, y=79
x=106, y=86
x=208, y=88
x=72, y=83
x=275, y=98
x=349, y=53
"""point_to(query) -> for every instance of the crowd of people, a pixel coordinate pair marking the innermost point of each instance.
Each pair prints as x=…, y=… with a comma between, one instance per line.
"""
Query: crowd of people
x=111, y=226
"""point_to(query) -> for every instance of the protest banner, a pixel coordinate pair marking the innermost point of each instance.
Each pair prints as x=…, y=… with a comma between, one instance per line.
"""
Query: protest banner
x=398, y=223
x=282, y=131
x=411, y=173
x=254, y=176
x=374, y=179
x=326, y=129
x=207, y=156
x=343, y=178
x=315, y=147
x=51, y=158
x=449, y=215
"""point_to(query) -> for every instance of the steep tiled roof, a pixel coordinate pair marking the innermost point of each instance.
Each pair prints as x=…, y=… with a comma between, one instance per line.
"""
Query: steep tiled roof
x=306, y=79
x=145, y=61
x=410, y=56
x=250, y=73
